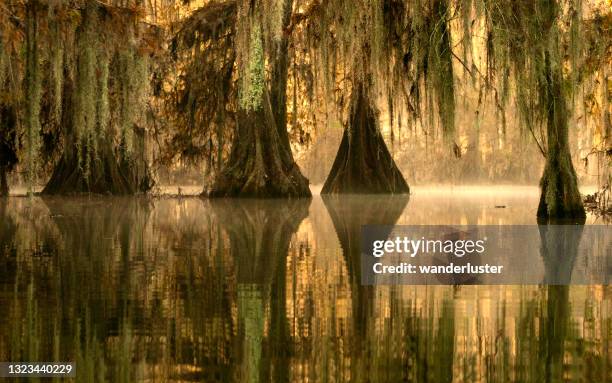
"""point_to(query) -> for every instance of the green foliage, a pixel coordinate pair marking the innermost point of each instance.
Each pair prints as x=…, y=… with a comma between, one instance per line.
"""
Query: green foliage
x=72, y=76
x=253, y=78
x=134, y=77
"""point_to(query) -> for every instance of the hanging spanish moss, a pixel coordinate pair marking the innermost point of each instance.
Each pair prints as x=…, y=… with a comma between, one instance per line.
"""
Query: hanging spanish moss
x=3, y=62
x=33, y=91
x=528, y=39
x=56, y=63
x=252, y=85
x=85, y=96
x=95, y=90
x=102, y=106
x=103, y=102
x=261, y=163
x=134, y=77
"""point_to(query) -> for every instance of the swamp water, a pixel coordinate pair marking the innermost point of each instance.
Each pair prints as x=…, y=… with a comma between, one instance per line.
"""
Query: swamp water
x=167, y=289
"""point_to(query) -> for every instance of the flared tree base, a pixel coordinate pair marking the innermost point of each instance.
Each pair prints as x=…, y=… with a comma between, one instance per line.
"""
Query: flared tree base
x=259, y=182
x=363, y=164
x=104, y=176
x=560, y=200
x=260, y=166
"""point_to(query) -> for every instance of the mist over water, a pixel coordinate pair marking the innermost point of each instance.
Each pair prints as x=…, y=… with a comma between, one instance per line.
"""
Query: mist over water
x=185, y=289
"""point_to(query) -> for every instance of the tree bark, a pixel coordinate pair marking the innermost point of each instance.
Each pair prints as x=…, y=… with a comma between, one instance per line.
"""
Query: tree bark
x=280, y=66
x=363, y=164
x=4, y=189
x=260, y=163
x=70, y=176
x=135, y=166
x=8, y=150
x=560, y=198
x=103, y=177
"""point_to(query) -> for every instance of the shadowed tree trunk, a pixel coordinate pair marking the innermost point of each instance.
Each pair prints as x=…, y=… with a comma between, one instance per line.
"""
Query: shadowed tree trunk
x=261, y=163
x=280, y=65
x=363, y=164
x=102, y=175
x=8, y=150
x=4, y=189
x=560, y=198
x=135, y=165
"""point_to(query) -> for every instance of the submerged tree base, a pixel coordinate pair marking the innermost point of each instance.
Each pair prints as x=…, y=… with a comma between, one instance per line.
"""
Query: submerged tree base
x=260, y=165
x=560, y=198
x=363, y=164
x=103, y=175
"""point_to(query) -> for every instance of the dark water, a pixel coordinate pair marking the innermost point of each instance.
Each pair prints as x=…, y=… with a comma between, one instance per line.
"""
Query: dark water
x=243, y=290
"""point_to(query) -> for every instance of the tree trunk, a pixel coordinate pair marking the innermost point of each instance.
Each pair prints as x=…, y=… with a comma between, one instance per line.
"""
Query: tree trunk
x=8, y=149
x=363, y=164
x=560, y=198
x=4, y=189
x=135, y=166
x=85, y=170
x=280, y=66
x=260, y=163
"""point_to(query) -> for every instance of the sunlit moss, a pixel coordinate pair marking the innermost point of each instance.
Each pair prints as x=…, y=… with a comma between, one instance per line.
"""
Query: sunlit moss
x=253, y=82
x=56, y=68
x=33, y=95
x=86, y=89
x=273, y=18
x=103, y=106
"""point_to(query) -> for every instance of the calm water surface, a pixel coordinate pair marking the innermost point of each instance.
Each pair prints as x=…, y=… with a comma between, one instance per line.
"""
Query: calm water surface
x=188, y=290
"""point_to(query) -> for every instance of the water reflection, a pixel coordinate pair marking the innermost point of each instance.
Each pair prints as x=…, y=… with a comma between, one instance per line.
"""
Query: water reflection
x=559, y=250
x=195, y=290
x=349, y=214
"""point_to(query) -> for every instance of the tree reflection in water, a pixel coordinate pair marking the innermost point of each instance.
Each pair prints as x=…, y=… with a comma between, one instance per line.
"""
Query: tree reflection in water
x=220, y=290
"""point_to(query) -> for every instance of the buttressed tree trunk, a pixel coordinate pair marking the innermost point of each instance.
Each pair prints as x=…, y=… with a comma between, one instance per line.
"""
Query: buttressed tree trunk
x=82, y=169
x=363, y=164
x=560, y=198
x=261, y=163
